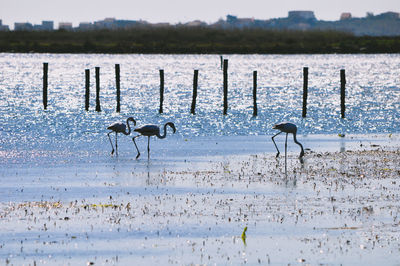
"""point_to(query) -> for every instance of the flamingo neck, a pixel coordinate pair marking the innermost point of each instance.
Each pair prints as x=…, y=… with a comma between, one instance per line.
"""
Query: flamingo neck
x=298, y=143
x=129, y=128
x=163, y=135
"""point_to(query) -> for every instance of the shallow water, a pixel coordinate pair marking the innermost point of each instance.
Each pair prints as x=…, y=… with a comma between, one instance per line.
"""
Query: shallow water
x=372, y=100
x=339, y=208
x=190, y=202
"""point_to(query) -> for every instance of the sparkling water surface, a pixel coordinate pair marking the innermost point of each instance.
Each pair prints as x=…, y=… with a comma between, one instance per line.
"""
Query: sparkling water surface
x=372, y=97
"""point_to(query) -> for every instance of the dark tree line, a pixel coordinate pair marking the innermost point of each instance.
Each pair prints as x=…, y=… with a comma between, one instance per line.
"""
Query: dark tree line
x=195, y=40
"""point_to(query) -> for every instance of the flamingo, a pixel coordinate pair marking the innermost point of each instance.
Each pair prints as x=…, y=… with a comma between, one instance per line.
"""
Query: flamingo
x=151, y=130
x=287, y=128
x=119, y=127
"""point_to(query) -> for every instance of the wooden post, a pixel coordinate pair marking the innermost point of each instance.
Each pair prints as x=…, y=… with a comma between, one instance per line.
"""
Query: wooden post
x=161, y=90
x=222, y=61
x=255, y=93
x=98, y=109
x=87, y=88
x=342, y=91
x=225, y=86
x=117, y=82
x=195, y=79
x=305, y=90
x=45, y=72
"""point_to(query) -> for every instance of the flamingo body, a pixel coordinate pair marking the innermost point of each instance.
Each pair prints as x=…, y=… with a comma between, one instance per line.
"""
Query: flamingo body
x=151, y=130
x=119, y=127
x=286, y=127
x=148, y=130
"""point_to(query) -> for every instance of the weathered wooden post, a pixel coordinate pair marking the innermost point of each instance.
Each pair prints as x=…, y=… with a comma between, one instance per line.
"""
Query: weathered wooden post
x=225, y=86
x=342, y=91
x=117, y=82
x=87, y=88
x=195, y=79
x=98, y=109
x=305, y=90
x=254, y=93
x=161, y=90
x=45, y=72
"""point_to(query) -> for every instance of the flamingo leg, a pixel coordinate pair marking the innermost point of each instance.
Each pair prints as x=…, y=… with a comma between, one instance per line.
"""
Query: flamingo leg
x=112, y=152
x=275, y=143
x=148, y=148
x=286, y=153
x=134, y=142
x=116, y=143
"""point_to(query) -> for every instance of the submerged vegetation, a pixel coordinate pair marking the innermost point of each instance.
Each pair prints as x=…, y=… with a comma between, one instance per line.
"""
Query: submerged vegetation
x=195, y=40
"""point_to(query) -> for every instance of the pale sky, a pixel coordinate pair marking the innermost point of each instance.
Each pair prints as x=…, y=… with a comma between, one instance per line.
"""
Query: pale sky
x=175, y=11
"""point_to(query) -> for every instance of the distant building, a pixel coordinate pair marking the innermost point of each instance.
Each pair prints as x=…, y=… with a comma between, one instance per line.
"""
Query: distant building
x=389, y=15
x=23, y=26
x=107, y=23
x=85, y=26
x=48, y=25
x=231, y=19
x=45, y=26
x=126, y=24
x=114, y=24
x=302, y=15
x=236, y=22
x=345, y=15
x=65, y=26
x=3, y=27
x=196, y=23
x=245, y=22
x=161, y=25
x=385, y=24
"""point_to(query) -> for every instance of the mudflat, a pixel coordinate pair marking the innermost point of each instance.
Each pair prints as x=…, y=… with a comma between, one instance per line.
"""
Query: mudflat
x=329, y=208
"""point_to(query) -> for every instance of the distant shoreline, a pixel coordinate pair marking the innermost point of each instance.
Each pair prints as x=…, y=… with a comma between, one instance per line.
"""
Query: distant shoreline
x=171, y=40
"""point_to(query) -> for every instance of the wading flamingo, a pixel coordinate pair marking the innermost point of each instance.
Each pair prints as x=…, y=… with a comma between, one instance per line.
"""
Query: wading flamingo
x=287, y=128
x=119, y=127
x=151, y=130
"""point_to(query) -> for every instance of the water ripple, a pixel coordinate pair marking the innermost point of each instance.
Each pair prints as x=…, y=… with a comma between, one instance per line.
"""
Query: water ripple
x=372, y=96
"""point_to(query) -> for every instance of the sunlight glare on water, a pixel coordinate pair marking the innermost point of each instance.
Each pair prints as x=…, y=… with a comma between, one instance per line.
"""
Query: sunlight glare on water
x=372, y=95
